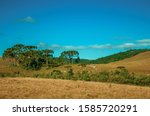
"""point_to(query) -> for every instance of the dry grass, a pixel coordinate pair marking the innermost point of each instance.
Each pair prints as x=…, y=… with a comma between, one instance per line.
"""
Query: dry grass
x=137, y=64
x=51, y=88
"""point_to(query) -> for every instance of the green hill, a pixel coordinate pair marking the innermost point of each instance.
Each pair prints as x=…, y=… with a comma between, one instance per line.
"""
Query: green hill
x=115, y=57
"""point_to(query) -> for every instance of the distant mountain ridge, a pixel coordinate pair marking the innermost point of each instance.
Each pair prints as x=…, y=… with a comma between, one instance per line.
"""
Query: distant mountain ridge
x=115, y=57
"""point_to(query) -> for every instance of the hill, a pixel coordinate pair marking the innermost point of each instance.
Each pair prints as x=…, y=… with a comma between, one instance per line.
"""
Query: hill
x=7, y=69
x=28, y=87
x=139, y=57
x=139, y=63
x=135, y=71
x=115, y=57
x=50, y=88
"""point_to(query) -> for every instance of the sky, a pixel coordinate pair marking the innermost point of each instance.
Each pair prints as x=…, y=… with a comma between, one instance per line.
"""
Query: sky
x=95, y=28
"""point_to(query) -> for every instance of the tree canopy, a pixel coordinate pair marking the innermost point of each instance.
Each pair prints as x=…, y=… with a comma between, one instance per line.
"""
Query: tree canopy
x=70, y=56
x=30, y=57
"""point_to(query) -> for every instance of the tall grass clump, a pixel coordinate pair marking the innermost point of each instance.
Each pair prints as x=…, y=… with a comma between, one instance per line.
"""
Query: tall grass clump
x=70, y=74
x=5, y=74
x=56, y=74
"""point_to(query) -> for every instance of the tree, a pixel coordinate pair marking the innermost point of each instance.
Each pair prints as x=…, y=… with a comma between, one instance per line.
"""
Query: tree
x=28, y=48
x=32, y=59
x=47, y=54
x=8, y=53
x=20, y=53
x=14, y=52
x=77, y=60
x=70, y=55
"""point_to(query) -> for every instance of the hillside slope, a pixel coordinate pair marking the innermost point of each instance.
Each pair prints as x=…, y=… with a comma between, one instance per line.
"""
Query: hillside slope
x=139, y=57
x=115, y=57
x=138, y=63
x=5, y=66
x=50, y=88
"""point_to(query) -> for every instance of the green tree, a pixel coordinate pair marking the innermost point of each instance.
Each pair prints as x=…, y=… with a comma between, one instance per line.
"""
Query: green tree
x=70, y=55
x=14, y=52
x=47, y=55
x=32, y=59
x=8, y=53
x=18, y=52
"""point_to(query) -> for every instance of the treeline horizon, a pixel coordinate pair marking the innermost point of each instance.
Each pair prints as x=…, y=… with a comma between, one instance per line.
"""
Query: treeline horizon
x=30, y=57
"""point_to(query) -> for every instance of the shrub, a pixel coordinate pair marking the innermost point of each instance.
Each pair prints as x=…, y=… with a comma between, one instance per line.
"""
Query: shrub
x=5, y=74
x=85, y=76
x=70, y=74
x=48, y=75
x=120, y=67
x=56, y=74
x=103, y=76
x=142, y=80
x=122, y=72
x=82, y=65
x=120, y=75
x=53, y=65
x=36, y=75
x=2, y=74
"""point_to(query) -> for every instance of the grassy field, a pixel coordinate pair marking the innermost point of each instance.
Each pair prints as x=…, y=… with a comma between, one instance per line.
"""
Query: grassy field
x=138, y=64
x=51, y=88
x=28, y=87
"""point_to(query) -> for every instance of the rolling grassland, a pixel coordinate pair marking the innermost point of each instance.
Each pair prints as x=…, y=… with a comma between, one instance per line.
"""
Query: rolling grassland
x=28, y=87
x=55, y=88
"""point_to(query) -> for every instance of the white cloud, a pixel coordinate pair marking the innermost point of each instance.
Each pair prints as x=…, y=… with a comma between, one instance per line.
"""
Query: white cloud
x=81, y=47
x=144, y=41
x=136, y=44
x=101, y=46
x=126, y=45
x=28, y=19
x=55, y=46
x=67, y=47
x=74, y=47
x=144, y=44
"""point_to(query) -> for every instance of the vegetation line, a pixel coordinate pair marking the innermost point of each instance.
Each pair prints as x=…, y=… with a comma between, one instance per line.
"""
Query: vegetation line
x=33, y=59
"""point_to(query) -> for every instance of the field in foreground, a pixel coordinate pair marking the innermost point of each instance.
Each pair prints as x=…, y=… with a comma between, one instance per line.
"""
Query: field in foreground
x=51, y=88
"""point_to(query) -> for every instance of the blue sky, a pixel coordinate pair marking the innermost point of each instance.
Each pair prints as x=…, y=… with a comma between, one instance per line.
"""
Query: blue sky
x=95, y=28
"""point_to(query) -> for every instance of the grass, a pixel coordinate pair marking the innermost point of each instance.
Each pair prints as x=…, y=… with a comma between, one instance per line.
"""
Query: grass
x=74, y=86
x=119, y=75
x=52, y=88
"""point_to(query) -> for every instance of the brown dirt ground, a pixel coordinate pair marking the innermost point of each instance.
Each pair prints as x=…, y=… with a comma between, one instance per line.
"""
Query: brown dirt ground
x=51, y=88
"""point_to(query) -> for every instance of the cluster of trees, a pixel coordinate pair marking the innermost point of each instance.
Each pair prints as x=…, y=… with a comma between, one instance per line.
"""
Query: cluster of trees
x=30, y=57
x=70, y=56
